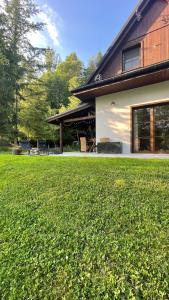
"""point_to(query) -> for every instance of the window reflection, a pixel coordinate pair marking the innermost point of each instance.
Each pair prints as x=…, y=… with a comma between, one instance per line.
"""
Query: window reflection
x=142, y=130
x=151, y=127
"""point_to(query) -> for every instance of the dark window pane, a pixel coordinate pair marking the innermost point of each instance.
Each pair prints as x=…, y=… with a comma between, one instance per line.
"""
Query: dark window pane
x=142, y=129
x=131, y=59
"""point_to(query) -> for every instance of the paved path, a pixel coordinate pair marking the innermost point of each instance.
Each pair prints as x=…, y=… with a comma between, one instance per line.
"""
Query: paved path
x=140, y=156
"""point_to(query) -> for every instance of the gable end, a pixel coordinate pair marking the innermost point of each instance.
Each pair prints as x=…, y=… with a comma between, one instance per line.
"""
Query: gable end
x=142, y=21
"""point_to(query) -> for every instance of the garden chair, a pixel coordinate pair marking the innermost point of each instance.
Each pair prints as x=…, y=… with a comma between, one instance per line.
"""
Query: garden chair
x=42, y=147
x=25, y=145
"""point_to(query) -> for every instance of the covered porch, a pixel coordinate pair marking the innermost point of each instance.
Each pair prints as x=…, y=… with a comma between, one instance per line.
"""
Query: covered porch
x=82, y=121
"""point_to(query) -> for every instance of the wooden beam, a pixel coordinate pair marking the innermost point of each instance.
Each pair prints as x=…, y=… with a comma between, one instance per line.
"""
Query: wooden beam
x=80, y=119
x=61, y=137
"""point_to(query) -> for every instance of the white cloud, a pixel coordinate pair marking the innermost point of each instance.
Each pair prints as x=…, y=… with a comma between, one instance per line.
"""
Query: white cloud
x=53, y=23
x=50, y=36
x=2, y=6
x=38, y=39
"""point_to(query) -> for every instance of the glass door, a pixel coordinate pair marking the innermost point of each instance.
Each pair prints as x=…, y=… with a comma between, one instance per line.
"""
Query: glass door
x=151, y=129
x=141, y=127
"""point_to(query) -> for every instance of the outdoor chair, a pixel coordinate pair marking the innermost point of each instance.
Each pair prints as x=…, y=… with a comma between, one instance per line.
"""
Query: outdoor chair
x=42, y=147
x=25, y=145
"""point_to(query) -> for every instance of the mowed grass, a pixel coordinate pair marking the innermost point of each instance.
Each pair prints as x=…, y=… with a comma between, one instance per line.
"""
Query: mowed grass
x=83, y=228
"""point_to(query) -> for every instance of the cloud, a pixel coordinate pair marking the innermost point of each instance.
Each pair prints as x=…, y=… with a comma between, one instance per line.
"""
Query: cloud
x=53, y=23
x=2, y=6
x=38, y=39
x=50, y=36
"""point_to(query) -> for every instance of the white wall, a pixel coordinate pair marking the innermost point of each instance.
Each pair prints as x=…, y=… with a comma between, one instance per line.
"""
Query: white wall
x=114, y=121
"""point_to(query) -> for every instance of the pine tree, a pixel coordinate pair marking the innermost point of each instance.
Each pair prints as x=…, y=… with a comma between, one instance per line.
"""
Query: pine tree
x=91, y=67
x=6, y=88
x=23, y=58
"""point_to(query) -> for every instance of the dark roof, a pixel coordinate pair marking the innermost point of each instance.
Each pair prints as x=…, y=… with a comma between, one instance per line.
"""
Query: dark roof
x=69, y=113
x=142, y=5
x=131, y=74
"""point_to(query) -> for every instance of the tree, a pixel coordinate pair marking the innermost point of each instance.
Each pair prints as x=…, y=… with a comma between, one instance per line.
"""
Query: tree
x=59, y=83
x=57, y=92
x=73, y=101
x=51, y=60
x=45, y=96
x=92, y=66
x=33, y=115
x=6, y=87
x=71, y=67
x=23, y=57
x=76, y=76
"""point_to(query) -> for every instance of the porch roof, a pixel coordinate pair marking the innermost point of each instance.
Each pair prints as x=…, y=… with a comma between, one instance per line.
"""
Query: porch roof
x=77, y=114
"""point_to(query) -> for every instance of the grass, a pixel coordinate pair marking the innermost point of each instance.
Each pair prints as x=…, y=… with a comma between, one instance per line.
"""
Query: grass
x=83, y=228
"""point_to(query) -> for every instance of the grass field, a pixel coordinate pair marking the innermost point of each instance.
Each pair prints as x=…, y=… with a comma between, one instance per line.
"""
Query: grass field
x=83, y=228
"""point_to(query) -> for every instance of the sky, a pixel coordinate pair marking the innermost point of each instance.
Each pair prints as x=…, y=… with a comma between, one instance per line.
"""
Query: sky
x=81, y=26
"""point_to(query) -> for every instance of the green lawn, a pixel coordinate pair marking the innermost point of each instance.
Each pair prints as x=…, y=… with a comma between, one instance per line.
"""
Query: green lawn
x=83, y=228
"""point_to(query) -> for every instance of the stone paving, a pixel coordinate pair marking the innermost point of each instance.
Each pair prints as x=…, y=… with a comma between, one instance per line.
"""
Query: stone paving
x=134, y=155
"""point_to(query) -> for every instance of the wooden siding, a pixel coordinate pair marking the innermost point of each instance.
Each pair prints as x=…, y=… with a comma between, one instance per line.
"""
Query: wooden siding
x=152, y=32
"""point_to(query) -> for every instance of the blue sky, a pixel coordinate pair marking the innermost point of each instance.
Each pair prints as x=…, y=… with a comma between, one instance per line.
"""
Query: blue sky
x=83, y=26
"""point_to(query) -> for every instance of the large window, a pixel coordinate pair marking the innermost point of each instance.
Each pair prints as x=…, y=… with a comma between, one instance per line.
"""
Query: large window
x=142, y=129
x=132, y=58
x=151, y=129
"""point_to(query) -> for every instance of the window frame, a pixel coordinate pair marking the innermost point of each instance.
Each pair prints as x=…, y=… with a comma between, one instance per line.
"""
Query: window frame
x=152, y=106
x=136, y=46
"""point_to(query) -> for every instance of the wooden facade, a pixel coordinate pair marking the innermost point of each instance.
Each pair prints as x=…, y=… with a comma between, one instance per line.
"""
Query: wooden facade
x=151, y=31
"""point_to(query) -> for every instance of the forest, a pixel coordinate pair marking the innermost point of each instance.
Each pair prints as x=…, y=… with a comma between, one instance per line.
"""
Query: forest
x=35, y=83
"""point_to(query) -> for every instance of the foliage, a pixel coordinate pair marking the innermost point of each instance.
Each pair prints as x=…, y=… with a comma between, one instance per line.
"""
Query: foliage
x=51, y=60
x=56, y=89
x=92, y=66
x=34, y=83
x=71, y=67
x=5, y=149
x=83, y=228
x=73, y=101
x=34, y=111
x=6, y=86
x=45, y=96
x=73, y=148
x=22, y=57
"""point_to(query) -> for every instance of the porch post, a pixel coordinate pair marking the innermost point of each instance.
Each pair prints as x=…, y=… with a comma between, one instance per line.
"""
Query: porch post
x=61, y=137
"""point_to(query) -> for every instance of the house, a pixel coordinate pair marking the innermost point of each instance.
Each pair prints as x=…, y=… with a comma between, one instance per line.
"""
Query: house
x=127, y=97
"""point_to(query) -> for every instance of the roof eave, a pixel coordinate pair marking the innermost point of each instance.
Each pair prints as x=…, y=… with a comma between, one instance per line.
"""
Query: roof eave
x=60, y=117
x=123, y=76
